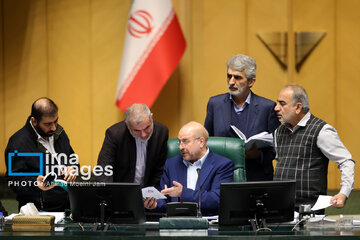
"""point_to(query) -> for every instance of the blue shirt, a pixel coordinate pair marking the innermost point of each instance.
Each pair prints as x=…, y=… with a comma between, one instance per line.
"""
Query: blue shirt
x=247, y=102
x=192, y=175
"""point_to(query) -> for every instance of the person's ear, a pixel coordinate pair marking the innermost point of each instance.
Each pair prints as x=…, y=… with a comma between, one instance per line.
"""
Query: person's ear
x=33, y=121
x=298, y=108
x=252, y=82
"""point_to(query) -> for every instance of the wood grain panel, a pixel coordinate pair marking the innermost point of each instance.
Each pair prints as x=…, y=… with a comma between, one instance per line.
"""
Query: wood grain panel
x=108, y=26
x=25, y=60
x=347, y=77
x=69, y=36
x=3, y=140
x=266, y=16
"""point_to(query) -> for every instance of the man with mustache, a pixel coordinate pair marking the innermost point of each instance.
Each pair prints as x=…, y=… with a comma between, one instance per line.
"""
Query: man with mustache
x=135, y=148
x=304, y=145
x=248, y=112
x=179, y=180
x=41, y=134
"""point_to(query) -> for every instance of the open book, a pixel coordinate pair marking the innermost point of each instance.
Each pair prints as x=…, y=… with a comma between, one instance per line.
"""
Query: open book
x=263, y=139
x=52, y=178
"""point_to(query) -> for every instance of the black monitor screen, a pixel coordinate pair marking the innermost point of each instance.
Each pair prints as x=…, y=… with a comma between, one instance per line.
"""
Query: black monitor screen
x=122, y=202
x=241, y=201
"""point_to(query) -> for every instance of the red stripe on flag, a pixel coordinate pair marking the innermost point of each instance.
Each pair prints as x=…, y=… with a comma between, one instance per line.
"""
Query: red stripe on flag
x=156, y=69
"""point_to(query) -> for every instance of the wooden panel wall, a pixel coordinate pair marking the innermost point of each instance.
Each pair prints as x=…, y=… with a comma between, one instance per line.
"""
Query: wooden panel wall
x=347, y=84
x=71, y=50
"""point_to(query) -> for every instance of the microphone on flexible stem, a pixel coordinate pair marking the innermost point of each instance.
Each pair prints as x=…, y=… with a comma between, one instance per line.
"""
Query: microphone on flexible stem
x=199, y=206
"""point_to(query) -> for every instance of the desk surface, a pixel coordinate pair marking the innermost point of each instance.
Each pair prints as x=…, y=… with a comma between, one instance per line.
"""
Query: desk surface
x=152, y=231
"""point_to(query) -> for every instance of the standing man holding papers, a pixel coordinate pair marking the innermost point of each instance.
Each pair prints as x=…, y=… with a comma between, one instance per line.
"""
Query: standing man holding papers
x=304, y=145
x=248, y=112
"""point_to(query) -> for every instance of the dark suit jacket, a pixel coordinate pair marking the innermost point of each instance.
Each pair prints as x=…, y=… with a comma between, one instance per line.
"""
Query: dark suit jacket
x=25, y=140
x=261, y=117
x=119, y=151
x=215, y=170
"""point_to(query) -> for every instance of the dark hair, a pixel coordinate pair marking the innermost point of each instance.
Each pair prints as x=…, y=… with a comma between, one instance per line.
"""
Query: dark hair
x=43, y=107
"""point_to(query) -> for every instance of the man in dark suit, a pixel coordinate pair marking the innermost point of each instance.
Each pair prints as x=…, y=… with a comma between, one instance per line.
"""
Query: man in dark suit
x=247, y=111
x=135, y=148
x=179, y=180
x=43, y=136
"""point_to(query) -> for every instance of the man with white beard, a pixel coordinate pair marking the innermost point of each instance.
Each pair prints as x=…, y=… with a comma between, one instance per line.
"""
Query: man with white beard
x=247, y=111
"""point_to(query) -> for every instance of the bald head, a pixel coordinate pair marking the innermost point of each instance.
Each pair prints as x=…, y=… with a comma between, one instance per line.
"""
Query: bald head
x=193, y=138
x=43, y=107
x=195, y=129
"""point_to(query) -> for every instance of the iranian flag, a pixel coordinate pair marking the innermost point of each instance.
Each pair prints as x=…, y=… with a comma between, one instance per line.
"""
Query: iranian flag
x=153, y=48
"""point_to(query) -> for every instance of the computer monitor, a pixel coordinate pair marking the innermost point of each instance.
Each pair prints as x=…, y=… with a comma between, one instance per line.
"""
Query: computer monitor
x=106, y=202
x=240, y=202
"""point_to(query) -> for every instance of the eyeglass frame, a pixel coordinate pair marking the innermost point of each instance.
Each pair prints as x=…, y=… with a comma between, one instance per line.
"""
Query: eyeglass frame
x=186, y=142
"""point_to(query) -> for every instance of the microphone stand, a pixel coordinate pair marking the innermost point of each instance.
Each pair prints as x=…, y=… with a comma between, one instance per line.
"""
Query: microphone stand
x=199, y=206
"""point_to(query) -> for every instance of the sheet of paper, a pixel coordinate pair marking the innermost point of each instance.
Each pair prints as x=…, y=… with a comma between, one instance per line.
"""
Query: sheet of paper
x=152, y=192
x=322, y=202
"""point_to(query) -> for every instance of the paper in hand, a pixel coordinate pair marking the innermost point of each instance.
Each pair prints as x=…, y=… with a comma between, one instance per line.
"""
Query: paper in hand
x=151, y=192
x=322, y=202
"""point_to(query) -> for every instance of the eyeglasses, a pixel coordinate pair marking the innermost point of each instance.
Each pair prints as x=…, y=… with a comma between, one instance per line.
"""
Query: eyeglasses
x=186, y=142
x=236, y=77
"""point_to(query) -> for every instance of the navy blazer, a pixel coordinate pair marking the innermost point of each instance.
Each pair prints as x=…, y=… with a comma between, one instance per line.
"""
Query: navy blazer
x=261, y=117
x=215, y=170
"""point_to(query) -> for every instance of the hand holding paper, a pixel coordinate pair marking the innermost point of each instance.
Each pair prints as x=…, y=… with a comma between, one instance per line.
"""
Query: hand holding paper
x=151, y=192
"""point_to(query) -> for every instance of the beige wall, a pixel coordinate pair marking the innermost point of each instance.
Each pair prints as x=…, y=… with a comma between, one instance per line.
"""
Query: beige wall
x=70, y=51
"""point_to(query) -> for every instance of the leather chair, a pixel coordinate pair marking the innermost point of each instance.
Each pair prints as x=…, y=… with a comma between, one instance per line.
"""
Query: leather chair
x=232, y=148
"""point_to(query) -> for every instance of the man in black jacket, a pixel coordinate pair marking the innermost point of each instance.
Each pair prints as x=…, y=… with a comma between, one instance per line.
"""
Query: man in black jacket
x=135, y=148
x=41, y=137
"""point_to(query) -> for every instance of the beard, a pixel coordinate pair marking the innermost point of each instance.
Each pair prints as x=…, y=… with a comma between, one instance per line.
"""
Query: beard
x=145, y=140
x=42, y=133
x=238, y=92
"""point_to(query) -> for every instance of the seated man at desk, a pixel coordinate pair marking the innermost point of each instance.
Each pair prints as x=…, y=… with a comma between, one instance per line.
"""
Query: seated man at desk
x=179, y=180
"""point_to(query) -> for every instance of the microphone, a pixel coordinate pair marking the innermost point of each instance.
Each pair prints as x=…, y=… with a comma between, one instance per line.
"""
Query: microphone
x=199, y=206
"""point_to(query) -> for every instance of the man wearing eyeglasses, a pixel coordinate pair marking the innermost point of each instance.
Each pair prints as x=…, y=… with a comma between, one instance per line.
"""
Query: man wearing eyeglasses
x=179, y=180
x=247, y=111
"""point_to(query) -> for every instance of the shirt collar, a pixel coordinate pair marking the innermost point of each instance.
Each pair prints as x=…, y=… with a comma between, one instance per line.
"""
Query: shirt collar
x=38, y=135
x=199, y=162
x=247, y=102
x=302, y=122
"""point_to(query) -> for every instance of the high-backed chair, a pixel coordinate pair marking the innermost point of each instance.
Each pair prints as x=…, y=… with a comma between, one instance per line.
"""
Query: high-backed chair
x=232, y=148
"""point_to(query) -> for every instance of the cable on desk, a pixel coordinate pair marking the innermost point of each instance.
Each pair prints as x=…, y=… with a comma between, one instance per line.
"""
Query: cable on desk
x=264, y=229
x=81, y=226
x=305, y=218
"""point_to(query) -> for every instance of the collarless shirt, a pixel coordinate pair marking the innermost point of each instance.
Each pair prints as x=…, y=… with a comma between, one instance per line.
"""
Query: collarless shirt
x=331, y=146
x=246, y=103
x=141, y=147
x=192, y=175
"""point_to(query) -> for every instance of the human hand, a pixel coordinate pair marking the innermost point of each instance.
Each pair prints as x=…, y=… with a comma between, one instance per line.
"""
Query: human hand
x=45, y=186
x=338, y=201
x=253, y=152
x=174, y=191
x=69, y=174
x=150, y=203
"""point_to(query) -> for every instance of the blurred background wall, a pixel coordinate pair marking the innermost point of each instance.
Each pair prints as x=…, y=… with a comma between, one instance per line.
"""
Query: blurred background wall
x=70, y=51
